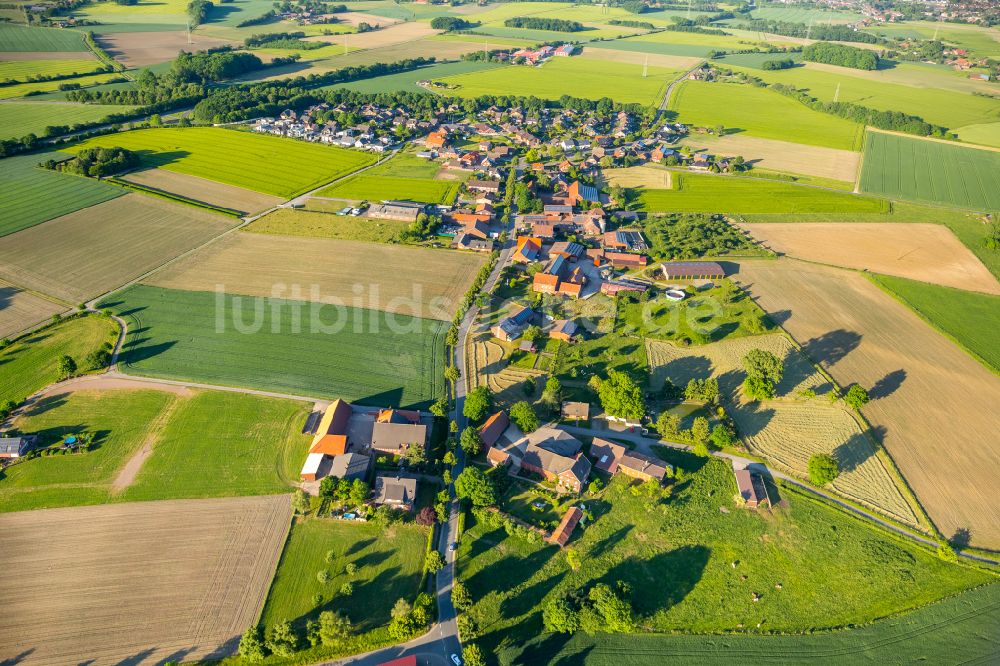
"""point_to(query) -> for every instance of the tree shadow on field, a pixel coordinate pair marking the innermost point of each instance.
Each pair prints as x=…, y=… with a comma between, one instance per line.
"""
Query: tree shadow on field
x=854, y=452
x=608, y=542
x=160, y=158
x=831, y=347
x=390, y=398
x=136, y=354
x=372, y=559
x=682, y=370
x=888, y=385
x=358, y=546
x=662, y=581
x=177, y=656
x=44, y=404
x=961, y=538
x=530, y=597
x=227, y=649
x=18, y=658
x=507, y=571
x=137, y=658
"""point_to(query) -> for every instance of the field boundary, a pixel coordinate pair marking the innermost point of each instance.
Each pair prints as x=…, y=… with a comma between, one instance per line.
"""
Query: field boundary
x=959, y=144
x=176, y=198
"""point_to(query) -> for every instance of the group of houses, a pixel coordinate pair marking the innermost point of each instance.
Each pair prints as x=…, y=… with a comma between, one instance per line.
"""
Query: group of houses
x=513, y=325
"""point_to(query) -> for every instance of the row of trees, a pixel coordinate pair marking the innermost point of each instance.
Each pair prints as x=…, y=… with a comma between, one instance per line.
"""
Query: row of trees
x=840, y=54
x=536, y=23
x=822, y=32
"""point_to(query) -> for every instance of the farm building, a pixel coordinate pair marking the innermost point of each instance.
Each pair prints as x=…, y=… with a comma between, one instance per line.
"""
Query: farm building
x=484, y=186
x=396, y=430
x=569, y=250
x=350, y=466
x=494, y=426
x=559, y=278
x=692, y=270
x=397, y=491
x=510, y=327
x=401, y=211
x=549, y=452
x=560, y=536
x=563, y=329
x=15, y=447
x=752, y=491
x=615, y=287
x=625, y=240
x=616, y=459
x=625, y=259
x=312, y=466
x=578, y=192
x=465, y=241
x=331, y=435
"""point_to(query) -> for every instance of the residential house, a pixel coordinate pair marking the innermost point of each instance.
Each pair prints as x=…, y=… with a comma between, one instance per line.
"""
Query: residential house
x=578, y=192
x=510, y=327
x=528, y=250
x=397, y=430
x=494, y=426
x=350, y=466
x=466, y=241
x=563, y=329
x=396, y=491
x=549, y=452
x=15, y=447
x=558, y=277
x=616, y=459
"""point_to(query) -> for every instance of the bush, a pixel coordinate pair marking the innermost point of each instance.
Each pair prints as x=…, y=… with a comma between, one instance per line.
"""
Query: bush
x=524, y=417
x=823, y=468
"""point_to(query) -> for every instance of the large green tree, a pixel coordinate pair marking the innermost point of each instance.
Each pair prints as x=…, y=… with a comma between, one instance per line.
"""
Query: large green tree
x=478, y=402
x=473, y=484
x=823, y=468
x=523, y=415
x=621, y=396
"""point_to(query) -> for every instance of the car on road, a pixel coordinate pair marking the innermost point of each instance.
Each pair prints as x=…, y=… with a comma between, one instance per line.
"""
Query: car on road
x=453, y=546
x=458, y=660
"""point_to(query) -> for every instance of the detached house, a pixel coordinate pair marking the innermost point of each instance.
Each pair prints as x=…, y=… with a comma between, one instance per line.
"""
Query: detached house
x=397, y=430
x=549, y=452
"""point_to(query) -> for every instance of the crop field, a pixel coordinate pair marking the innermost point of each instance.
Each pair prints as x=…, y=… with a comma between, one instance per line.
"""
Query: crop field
x=790, y=428
x=22, y=89
x=797, y=158
x=970, y=319
x=268, y=164
x=408, y=80
x=761, y=113
x=379, y=188
x=589, y=79
x=18, y=119
x=21, y=38
x=693, y=568
x=29, y=364
x=927, y=252
x=141, y=49
x=672, y=62
x=804, y=15
x=724, y=194
x=328, y=352
x=21, y=309
x=33, y=195
x=931, y=402
x=647, y=177
x=18, y=70
x=922, y=170
x=682, y=49
x=393, y=34
x=83, y=254
x=155, y=580
x=315, y=222
x=397, y=51
x=929, y=99
x=986, y=134
x=201, y=189
x=404, y=280
x=946, y=631
x=389, y=567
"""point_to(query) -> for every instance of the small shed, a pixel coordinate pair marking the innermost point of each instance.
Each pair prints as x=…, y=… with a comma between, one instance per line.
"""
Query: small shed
x=310, y=469
x=751, y=488
x=568, y=523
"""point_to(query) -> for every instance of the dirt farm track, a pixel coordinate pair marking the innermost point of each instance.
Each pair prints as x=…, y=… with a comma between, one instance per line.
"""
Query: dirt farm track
x=932, y=404
x=144, y=582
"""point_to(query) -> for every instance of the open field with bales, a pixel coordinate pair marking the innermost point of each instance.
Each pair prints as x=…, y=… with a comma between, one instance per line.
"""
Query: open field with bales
x=268, y=164
x=21, y=309
x=694, y=193
x=389, y=567
x=761, y=113
x=19, y=119
x=287, y=346
x=927, y=252
x=83, y=254
x=407, y=279
x=934, y=171
x=798, y=158
x=207, y=191
x=931, y=402
x=156, y=580
x=33, y=195
x=590, y=79
x=29, y=364
x=797, y=424
x=971, y=319
x=690, y=567
x=320, y=221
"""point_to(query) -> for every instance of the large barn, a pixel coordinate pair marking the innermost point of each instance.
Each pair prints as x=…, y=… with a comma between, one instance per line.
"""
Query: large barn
x=693, y=270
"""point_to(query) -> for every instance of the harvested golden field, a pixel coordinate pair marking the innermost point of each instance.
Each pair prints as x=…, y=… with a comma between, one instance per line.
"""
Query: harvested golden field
x=933, y=405
x=86, y=253
x=394, y=34
x=489, y=369
x=414, y=281
x=650, y=177
x=141, y=49
x=20, y=309
x=208, y=191
x=792, y=427
x=926, y=252
x=145, y=582
x=819, y=161
x=680, y=63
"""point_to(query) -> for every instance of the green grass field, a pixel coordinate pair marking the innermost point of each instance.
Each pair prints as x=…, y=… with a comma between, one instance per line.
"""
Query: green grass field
x=86, y=81
x=986, y=134
x=207, y=444
x=695, y=569
x=590, y=79
x=29, y=364
x=389, y=566
x=972, y=319
x=268, y=164
x=718, y=194
x=762, y=113
x=910, y=168
x=950, y=631
x=408, y=80
x=19, y=70
x=683, y=48
x=22, y=38
x=378, y=188
x=406, y=165
x=805, y=15
x=18, y=119
x=173, y=334
x=319, y=221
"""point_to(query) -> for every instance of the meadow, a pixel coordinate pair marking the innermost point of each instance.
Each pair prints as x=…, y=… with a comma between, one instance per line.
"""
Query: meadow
x=24, y=39
x=986, y=134
x=21, y=309
x=389, y=567
x=19, y=70
x=922, y=170
x=22, y=89
x=86, y=253
x=567, y=76
x=29, y=364
x=315, y=223
x=33, y=195
x=946, y=631
x=692, y=568
x=269, y=164
x=983, y=42
x=19, y=119
x=331, y=352
x=378, y=188
x=805, y=15
x=762, y=113
x=970, y=319
x=408, y=80
x=722, y=194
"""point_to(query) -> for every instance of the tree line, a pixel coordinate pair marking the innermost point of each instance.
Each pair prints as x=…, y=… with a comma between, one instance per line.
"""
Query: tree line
x=534, y=23
x=827, y=33
x=840, y=54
